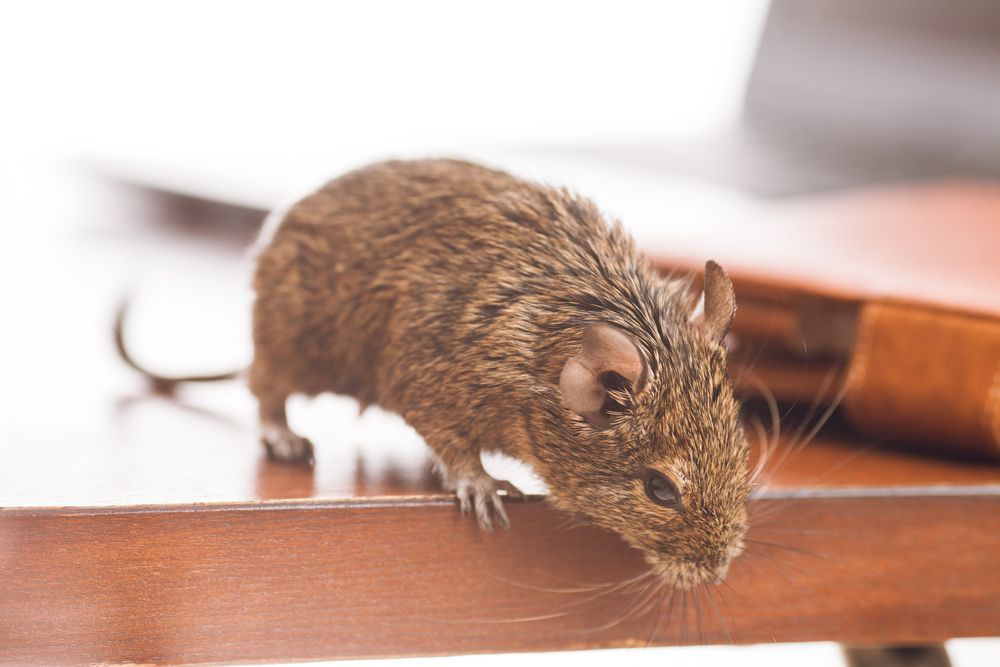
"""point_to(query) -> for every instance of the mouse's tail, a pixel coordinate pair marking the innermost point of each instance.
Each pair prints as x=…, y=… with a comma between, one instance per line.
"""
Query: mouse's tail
x=161, y=383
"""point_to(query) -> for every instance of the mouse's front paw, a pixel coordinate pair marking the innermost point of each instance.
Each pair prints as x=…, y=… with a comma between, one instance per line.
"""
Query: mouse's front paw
x=482, y=494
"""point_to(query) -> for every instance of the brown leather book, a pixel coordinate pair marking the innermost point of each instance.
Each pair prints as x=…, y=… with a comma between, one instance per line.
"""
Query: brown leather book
x=888, y=300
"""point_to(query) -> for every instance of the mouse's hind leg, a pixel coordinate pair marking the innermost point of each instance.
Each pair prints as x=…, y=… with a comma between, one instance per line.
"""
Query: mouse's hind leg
x=270, y=382
x=280, y=441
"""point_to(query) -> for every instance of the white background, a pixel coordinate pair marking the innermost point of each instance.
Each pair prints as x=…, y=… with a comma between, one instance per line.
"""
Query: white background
x=224, y=91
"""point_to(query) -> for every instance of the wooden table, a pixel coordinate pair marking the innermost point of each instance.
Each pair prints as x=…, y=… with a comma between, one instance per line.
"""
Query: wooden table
x=134, y=528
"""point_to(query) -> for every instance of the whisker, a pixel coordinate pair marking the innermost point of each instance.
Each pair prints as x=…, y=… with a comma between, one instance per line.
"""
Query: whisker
x=493, y=621
x=772, y=406
x=732, y=590
x=622, y=586
x=610, y=589
x=656, y=619
x=765, y=450
x=670, y=613
x=762, y=346
x=568, y=524
x=565, y=610
x=778, y=563
x=573, y=590
x=775, y=562
x=698, y=619
x=651, y=600
x=722, y=597
x=770, y=528
x=756, y=515
x=769, y=563
x=718, y=614
x=847, y=460
x=834, y=404
x=758, y=512
x=798, y=550
x=796, y=442
x=683, y=627
x=624, y=614
x=814, y=406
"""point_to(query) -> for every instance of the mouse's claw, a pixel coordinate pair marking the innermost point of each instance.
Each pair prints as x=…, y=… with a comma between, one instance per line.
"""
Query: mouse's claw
x=285, y=445
x=464, y=495
x=481, y=493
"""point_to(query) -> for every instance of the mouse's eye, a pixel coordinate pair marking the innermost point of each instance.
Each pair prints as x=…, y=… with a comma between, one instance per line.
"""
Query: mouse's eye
x=661, y=490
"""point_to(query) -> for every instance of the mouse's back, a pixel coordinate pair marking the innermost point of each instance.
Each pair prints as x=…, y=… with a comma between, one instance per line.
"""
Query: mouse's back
x=414, y=261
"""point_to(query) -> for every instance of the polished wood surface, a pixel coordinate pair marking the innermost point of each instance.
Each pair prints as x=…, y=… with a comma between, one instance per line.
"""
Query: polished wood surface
x=137, y=528
x=332, y=579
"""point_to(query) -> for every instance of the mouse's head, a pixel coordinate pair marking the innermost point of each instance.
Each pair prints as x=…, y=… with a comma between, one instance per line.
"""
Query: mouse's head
x=660, y=451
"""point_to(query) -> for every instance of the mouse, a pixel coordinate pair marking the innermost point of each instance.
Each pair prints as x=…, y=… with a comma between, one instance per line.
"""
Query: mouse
x=497, y=314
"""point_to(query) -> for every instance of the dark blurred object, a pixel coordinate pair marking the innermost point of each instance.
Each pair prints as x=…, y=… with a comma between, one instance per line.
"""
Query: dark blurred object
x=849, y=92
x=898, y=656
x=190, y=216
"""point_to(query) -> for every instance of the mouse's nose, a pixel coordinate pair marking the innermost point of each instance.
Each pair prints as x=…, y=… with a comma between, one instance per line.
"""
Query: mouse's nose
x=720, y=574
x=736, y=549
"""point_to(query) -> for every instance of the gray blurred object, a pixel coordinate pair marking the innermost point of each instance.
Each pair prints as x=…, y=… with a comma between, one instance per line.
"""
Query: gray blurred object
x=852, y=92
x=934, y=655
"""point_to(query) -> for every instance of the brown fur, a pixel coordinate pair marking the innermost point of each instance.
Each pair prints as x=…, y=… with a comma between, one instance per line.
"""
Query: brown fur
x=453, y=295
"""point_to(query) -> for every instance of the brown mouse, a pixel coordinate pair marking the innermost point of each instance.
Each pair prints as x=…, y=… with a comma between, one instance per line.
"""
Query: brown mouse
x=497, y=314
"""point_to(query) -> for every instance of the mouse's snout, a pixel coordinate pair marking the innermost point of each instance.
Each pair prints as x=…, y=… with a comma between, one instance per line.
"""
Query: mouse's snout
x=706, y=561
x=686, y=575
x=728, y=553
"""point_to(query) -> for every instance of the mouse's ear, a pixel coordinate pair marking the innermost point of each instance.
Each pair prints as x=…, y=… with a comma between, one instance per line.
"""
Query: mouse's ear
x=720, y=302
x=609, y=360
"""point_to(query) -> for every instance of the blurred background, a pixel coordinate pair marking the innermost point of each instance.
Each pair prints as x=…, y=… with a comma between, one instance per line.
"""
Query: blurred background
x=252, y=101
x=238, y=92
x=122, y=123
